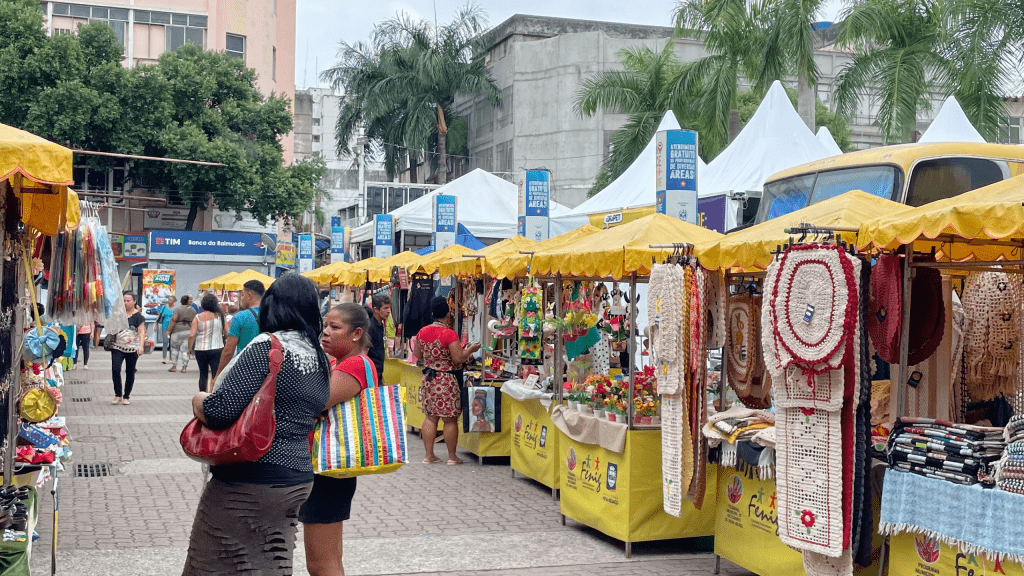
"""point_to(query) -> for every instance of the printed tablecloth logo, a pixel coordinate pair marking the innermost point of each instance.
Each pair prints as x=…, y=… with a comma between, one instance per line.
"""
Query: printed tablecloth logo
x=927, y=548
x=519, y=423
x=570, y=459
x=734, y=491
x=612, y=476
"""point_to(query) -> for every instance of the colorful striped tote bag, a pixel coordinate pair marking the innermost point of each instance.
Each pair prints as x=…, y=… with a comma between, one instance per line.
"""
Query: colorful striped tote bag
x=365, y=435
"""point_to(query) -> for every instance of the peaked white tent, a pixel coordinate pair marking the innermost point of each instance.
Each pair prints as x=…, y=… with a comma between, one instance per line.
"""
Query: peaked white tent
x=825, y=137
x=774, y=139
x=635, y=186
x=951, y=125
x=487, y=205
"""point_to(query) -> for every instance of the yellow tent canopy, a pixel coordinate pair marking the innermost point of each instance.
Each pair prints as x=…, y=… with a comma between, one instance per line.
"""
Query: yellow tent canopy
x=627, y=215
x=514, y=265
x=751, y=248
x=620, y=251
x=237, y=282
x=222, y=278
x=40, y=172
x=324, y=275
x=960, y=227
x=430, y=263
x=475, y=266
x=376, y=270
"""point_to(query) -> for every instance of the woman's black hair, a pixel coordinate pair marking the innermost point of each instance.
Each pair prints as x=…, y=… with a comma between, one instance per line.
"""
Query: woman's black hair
x=210, y=303
x=356, y=317
x=439, y=308
x=292, y=303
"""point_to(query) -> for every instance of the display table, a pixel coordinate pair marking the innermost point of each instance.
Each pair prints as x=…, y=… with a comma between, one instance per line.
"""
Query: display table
x=534, y=441
x=487, y=444
x=619, y=494
x=14, y=556
x=746, y=527
x=914, y=554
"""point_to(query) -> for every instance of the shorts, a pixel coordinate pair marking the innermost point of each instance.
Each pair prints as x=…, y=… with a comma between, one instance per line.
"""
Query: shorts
x=329, y=502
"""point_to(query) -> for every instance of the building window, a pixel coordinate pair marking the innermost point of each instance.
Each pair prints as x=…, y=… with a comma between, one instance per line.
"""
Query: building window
x=316, y=121
x=1014, y=130
x=316, y=138
x=505, y=115
x=234, y=45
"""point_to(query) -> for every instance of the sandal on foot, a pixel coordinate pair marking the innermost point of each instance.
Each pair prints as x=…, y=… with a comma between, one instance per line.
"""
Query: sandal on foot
x=454, y=461
x=125, y=402
x=117, y=400
x=433, y=460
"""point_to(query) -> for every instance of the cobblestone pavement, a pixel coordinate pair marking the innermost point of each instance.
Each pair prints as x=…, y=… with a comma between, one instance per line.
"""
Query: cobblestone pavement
x=428, y=520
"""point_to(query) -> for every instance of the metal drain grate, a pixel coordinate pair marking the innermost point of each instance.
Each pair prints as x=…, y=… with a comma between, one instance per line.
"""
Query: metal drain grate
x=81, y=399
x=92, y=470
x=76, y=381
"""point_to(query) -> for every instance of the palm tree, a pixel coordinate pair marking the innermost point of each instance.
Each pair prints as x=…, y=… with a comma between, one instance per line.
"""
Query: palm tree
x=737, y=35
x=404, y=87
x=792, y=29
x=645, y=90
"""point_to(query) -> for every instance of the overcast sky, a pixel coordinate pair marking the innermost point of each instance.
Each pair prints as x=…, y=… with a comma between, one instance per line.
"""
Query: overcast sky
x=323, y=23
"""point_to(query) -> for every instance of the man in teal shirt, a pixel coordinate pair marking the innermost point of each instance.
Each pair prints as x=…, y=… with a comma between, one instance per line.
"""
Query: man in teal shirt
x=246, y=324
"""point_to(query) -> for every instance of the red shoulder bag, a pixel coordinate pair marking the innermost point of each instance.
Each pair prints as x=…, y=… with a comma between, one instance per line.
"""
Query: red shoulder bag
x=250, y=437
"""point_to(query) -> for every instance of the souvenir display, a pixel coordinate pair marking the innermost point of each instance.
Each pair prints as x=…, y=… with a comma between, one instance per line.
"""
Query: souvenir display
x=530, y=323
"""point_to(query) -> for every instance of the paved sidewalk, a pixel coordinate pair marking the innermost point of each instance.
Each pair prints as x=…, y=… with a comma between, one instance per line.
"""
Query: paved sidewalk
x=423, y=519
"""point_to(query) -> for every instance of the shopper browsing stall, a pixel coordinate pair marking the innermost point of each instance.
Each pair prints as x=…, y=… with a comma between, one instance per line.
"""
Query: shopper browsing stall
x=127, y=349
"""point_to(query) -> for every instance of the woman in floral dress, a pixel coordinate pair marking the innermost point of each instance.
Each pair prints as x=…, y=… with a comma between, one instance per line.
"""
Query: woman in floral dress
x=443, y=356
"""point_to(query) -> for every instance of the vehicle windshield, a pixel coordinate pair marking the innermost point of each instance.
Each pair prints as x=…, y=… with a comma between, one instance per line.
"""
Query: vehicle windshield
x=791, y=194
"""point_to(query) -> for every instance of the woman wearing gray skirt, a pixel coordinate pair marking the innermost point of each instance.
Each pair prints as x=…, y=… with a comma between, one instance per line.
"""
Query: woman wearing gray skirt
x=248, y=513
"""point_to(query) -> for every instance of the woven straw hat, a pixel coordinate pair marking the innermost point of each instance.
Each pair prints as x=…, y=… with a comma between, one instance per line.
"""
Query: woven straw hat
x=885, y=307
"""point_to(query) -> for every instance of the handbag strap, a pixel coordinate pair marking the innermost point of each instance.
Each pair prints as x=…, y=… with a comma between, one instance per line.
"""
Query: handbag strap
x=371, y=371
x=275, y=357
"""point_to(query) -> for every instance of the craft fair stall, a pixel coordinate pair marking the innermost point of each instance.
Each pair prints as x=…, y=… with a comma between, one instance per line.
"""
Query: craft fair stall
x=324, y=275
x=36, y=213
x=208, y=284
x=949, y=280
x=757, y=525
x=227, y=287
x=610, y=458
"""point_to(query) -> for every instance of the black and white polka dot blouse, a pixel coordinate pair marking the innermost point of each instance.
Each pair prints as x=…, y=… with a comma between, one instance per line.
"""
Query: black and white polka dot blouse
x=303, y=388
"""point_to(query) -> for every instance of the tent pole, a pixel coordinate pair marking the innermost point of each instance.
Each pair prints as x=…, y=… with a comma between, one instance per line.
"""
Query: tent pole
x=559, y=388
x=904, y=370
x=631, y=346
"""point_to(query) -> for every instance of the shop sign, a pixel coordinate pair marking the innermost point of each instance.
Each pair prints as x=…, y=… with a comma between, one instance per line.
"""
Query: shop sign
x=117, y=245
x=306, y=243
x=534, y=200
x=917, y=555
x=285, y=254
x=339, y=240
x=445, y=221
x=383, y=235
x=200, y=246
x=135, y=247
x=613, y=218
x=165, y=218
x=676, y=176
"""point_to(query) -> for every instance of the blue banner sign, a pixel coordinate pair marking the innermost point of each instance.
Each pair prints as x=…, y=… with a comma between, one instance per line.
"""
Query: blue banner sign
x=534, y=204
x=445, y=221
x=676, y=179
x=384, y=235
x=199, y=246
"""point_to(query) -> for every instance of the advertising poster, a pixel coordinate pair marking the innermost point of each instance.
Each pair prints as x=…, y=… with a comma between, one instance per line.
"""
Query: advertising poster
x=339, y=240
x=285, y=254
x=305, y=258
x=676, y=177
x=384, y=235
x=157, y=286
x=135, y=247
x=117, y=245
x=534, y=202
x=711, y=213
x=445, y=221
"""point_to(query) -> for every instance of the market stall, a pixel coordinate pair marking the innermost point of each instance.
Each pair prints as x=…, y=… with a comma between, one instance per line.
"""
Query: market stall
x=749, y=503
x=36, y=211
x=952, y=491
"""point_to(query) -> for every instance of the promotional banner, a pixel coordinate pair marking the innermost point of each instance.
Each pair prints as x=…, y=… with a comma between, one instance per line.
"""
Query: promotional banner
x=135, y=247
x=384, y=236
x=534, y=201
x=305, y=258
x=916, y=554
x=200, y=246
x=339, y=240
x=445, y=221
x=534, y=442
x=157, y=286
x=676, y=177
x=711, y=213
x=285, y=254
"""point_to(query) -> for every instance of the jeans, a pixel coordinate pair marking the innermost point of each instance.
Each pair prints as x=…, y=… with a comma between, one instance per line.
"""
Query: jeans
x=208, y=361
x=179, y=348
x=129, y=359
x=164, y=341
x=83, y=341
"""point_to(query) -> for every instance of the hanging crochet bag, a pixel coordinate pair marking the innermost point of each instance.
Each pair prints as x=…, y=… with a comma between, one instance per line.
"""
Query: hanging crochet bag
x=364, y=435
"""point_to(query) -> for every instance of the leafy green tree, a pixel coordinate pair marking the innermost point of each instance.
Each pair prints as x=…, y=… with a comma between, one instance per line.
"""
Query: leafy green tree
x=403, y=88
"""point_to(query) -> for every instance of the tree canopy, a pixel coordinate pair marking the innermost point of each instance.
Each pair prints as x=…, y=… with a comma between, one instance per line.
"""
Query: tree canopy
x=192, y=104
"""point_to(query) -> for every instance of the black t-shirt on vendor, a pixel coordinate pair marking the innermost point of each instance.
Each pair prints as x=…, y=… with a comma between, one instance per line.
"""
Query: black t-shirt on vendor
x=377, y=350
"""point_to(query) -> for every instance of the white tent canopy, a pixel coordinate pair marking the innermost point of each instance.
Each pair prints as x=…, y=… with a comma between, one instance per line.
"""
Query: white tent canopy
x=826, y=139
x=487, y=205
x=635, y=186
x=951, y=125
x=774, y=139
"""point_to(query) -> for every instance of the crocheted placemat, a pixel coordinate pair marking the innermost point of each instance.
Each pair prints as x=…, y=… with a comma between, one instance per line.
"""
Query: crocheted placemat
x=884, y=314
x=801, y=389
x=742, y=347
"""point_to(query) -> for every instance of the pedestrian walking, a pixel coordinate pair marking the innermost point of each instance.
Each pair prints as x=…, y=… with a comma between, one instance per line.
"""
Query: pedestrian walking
x=127, y=349
x=247, y=517
x=443, y=356
x=206, y=339
x=83, y=339
x=246, y=324
x=163, y=320
x=380, y=313
x=345, y=339
x=179, y=329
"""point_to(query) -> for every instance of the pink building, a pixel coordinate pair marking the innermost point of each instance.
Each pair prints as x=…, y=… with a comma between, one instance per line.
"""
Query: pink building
x=261, y=32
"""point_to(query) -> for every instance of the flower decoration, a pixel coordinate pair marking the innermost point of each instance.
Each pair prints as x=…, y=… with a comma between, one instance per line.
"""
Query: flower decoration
x=807, y=518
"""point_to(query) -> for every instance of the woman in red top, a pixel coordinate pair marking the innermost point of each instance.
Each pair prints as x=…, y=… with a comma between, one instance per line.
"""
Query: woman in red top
x=438, y=346
x=345, y=338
